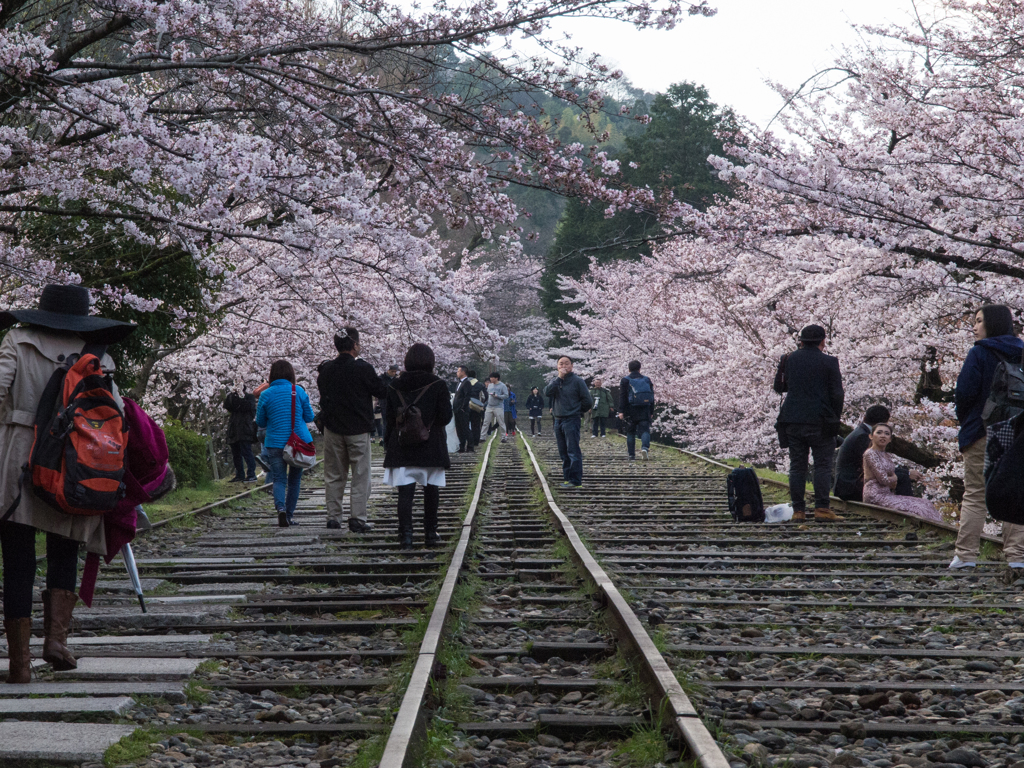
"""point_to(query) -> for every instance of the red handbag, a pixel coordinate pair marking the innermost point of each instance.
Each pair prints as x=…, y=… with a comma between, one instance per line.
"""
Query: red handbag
x=297, y=452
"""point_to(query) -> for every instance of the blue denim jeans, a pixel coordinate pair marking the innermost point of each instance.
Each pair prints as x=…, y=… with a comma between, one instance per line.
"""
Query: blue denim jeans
x=287, y=483
x=642, y=428
x=567, y=435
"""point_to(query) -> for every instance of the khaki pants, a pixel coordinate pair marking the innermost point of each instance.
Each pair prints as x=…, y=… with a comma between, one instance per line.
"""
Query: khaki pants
x=340, y=453
x=490, y=415
x=973, y=512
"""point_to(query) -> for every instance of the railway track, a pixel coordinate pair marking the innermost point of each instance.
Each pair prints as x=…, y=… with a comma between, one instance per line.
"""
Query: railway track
x=629, y=623
x=845, y=643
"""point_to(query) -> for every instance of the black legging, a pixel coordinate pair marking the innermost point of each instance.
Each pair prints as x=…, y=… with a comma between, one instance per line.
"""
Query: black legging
x=18, y=544
x=431, y=500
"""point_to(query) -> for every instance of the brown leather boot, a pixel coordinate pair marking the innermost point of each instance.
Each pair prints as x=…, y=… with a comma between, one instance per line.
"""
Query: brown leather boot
x=824, y=513
x=58, y=605
x=19, y=631
x=799, y=515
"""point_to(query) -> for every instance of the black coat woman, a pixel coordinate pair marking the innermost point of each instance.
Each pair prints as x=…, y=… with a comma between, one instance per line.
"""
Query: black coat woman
x=408, y=461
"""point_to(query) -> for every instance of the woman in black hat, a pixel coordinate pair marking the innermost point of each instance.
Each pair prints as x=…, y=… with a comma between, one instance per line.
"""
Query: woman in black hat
x=29, y=355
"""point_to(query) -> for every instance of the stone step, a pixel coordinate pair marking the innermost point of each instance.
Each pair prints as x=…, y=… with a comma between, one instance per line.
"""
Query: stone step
x=58, y=743
x=170, y=691
x=104, y=668
x=44, y=708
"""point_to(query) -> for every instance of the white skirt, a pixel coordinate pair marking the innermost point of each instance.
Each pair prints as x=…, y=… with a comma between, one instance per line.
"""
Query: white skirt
x=396, y=476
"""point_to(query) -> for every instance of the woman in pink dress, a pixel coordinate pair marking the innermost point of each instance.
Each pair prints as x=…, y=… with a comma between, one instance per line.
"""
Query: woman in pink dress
x=880, y=479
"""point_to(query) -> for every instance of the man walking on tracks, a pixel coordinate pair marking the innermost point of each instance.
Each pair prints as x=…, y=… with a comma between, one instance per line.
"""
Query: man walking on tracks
x=809, y=418
x=570, y=399
x=497, y=393
x=636, y=404
x=347, y=387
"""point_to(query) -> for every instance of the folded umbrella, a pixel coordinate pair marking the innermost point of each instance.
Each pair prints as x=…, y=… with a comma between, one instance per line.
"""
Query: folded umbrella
x=133, y=573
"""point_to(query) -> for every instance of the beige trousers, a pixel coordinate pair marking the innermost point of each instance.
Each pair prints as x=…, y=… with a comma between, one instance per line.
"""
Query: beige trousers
x=342, y=452
x=973, y=512
x=493, y=414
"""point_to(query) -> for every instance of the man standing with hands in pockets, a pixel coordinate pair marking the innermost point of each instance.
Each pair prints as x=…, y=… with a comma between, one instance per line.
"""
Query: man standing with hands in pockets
x=570, y=399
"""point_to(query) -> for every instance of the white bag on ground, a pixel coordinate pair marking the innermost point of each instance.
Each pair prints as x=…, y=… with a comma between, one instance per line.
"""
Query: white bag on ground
x=780, y=513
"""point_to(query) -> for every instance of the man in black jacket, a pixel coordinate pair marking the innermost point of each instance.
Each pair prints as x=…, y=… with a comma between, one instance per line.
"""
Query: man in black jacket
x=809, y=418
x=347, y=387
x=460, y=406
x=478, y=391
x=241, y=435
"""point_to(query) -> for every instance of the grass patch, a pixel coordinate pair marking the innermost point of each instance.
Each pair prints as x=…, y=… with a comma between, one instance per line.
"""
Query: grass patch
x=208, y=667
x=643, y=749
x=195, y=693
x=440, y=742
x=370, y=752
x=132, y=748
x=186, y=499
x=990, y=551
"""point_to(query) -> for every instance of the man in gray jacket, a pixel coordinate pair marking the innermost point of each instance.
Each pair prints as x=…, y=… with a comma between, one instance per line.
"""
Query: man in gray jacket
x=570, y=399
x=496, y=394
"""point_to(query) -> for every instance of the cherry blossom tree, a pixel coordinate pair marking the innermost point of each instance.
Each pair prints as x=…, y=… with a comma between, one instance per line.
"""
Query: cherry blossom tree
x=300, y=159
x=887, y=210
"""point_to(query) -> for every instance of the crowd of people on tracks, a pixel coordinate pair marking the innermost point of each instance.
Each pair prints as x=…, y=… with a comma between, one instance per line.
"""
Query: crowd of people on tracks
x=56, y=382
x=987, y=406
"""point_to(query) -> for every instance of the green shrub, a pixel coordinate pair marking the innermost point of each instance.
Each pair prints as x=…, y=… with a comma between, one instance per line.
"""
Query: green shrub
x=188, y=456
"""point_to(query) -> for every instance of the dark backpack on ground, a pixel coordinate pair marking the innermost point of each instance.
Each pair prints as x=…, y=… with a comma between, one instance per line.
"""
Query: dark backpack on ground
x=1006, y=398
x=409, y=420
x=745, y=502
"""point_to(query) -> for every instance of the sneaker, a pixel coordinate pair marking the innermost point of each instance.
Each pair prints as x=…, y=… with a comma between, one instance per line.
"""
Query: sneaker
x=249, y=480
x=237, y=480
x=632, y=458
x=355, y=525
x=334, y=525
x=282, y=519
x=956, y=564
x=566, y=484
x=1012, y=572
x=643, y=453
x=263, y=463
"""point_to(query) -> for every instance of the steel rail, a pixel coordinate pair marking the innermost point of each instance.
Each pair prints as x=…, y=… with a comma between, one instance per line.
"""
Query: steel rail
x=656, y=673
x=405, y=740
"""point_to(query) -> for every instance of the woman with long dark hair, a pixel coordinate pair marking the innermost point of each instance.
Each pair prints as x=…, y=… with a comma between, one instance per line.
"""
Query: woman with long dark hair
x=274, y=413
x=995, y=341
x=408, y=461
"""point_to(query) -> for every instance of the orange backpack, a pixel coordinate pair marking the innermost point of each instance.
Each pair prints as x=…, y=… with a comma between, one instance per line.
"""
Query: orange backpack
x=77, y=460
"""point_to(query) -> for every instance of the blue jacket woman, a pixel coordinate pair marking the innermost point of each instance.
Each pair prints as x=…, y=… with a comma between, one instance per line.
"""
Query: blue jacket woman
x=273, y=412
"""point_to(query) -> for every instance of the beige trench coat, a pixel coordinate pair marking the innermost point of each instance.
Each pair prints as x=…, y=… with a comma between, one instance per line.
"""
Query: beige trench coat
x=28, y=356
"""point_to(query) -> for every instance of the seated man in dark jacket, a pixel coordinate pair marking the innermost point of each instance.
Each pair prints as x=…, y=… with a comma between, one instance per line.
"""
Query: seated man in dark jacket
x=347, y=387
x=809, y=418
x=850, y=461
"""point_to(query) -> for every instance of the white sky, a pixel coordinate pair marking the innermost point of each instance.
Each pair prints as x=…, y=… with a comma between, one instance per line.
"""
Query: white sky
x=734, y=52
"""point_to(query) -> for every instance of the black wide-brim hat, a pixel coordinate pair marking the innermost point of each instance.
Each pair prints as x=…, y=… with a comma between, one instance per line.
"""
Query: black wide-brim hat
x=66, y=308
